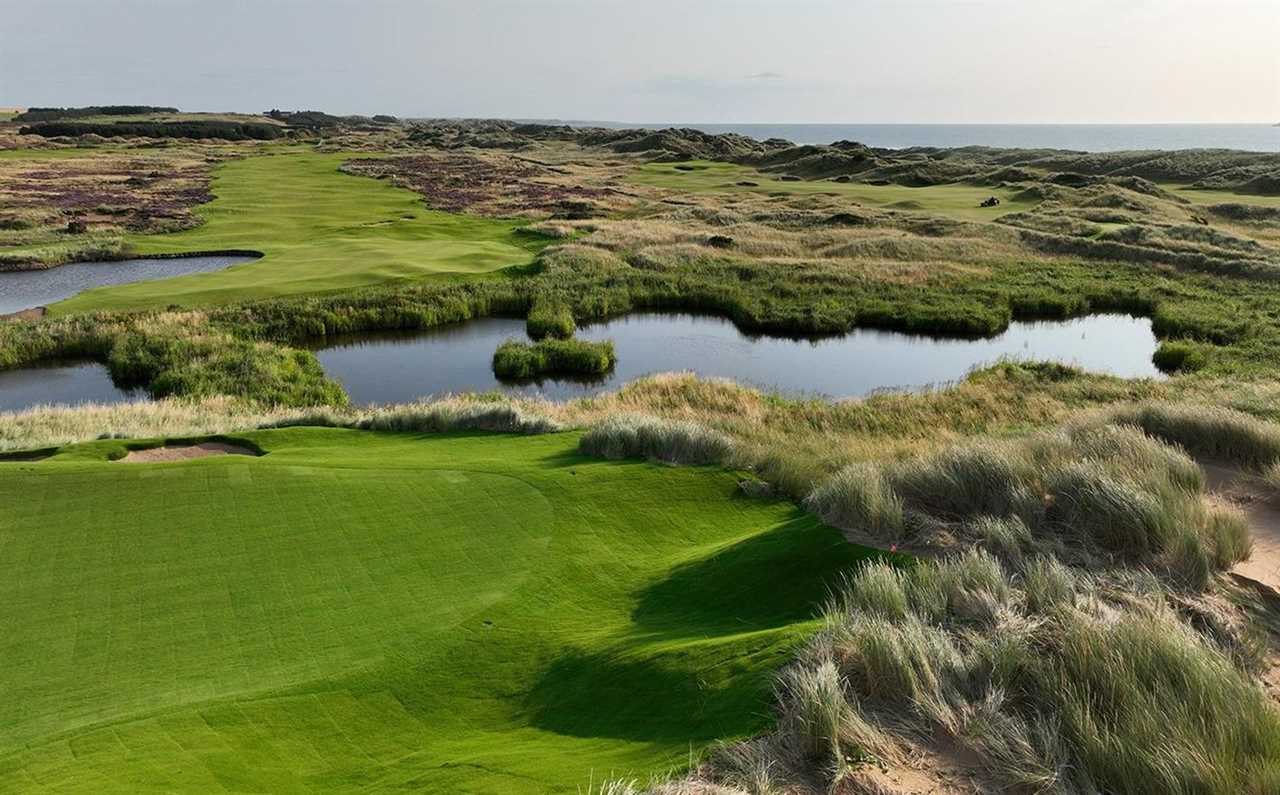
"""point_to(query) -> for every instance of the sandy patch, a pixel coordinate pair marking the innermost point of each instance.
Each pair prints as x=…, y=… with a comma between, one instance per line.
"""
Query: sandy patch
x=927, y=773
x=155, y=455
x=1241, y=489
x=34, y=313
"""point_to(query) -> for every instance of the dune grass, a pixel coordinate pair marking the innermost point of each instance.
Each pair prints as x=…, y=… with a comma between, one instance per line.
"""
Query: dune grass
x=1041, y=679
x=1215, y=433
x=1050, y=688
x=321, y=231
x=638, y=436
x=1097, y=495
x=956, y=200
x=490, y=613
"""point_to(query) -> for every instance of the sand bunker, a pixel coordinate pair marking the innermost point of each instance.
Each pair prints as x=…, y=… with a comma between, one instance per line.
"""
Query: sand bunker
x=185, y=452
x=1264, y=521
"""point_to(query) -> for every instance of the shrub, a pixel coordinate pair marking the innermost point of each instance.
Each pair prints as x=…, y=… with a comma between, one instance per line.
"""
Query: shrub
x=547, y=319
x=642, y=436
x=226, y=130
x=47, y=114
x=1179, y=357
x=521, y=361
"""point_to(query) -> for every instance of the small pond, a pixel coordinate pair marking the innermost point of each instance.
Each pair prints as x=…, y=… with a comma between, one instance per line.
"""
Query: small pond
x=392, y=368
x=61, y=383
x=27, y=289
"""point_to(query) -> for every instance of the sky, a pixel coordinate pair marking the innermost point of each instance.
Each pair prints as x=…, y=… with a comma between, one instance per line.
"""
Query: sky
x=710, y=61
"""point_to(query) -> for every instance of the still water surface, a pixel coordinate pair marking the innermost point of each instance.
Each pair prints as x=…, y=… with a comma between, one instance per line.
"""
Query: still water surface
x=404, y=366
x=27, y=289
x=395, y=368
x=65, y=383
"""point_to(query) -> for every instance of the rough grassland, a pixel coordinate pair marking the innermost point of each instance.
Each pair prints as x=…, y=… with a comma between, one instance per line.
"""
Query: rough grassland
x=320, y=230
x=490, y=614
x=956, y=200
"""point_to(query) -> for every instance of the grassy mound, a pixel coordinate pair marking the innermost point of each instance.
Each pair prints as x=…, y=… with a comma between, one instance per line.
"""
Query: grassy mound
x=320, y=230
x=354, y=609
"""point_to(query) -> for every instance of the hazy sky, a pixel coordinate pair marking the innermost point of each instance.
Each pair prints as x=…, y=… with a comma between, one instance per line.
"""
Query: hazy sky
x=658, y=60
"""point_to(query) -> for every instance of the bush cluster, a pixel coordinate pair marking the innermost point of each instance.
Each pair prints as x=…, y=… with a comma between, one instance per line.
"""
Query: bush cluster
x=224, y=130
x=49, y=114
x=1179, y=356
x=521, y=361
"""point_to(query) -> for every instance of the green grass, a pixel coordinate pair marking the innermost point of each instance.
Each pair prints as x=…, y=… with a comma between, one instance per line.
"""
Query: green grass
x=957, y=200
x=321, y=232
x=522, y=361
x=1200, y=196
x=457, y=613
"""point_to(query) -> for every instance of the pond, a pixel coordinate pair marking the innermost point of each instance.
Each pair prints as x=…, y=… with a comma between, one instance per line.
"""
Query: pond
x=28, y=289
x=393, y=368
x=61, y=383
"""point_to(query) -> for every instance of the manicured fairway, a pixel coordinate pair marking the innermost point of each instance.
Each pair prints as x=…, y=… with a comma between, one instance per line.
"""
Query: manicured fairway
x=1224, y=196
x=354, y=610
x=957, y=199
x=321, y=231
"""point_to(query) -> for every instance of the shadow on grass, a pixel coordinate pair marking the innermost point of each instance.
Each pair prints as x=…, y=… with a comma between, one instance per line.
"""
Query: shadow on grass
x=692, y=692
x=708, y=640
x=771, y=579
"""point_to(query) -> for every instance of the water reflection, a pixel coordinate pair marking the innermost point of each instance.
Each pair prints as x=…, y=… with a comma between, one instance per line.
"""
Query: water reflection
x=400, y=367
x=26, y=289
x=61, y=383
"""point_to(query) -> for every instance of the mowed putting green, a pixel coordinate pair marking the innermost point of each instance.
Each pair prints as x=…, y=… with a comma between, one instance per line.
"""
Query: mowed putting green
x=320, y=231
x=954, y=199
x=371, y=611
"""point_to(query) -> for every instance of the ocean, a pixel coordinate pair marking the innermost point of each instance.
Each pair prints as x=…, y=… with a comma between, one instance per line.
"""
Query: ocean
x=1082, y=137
